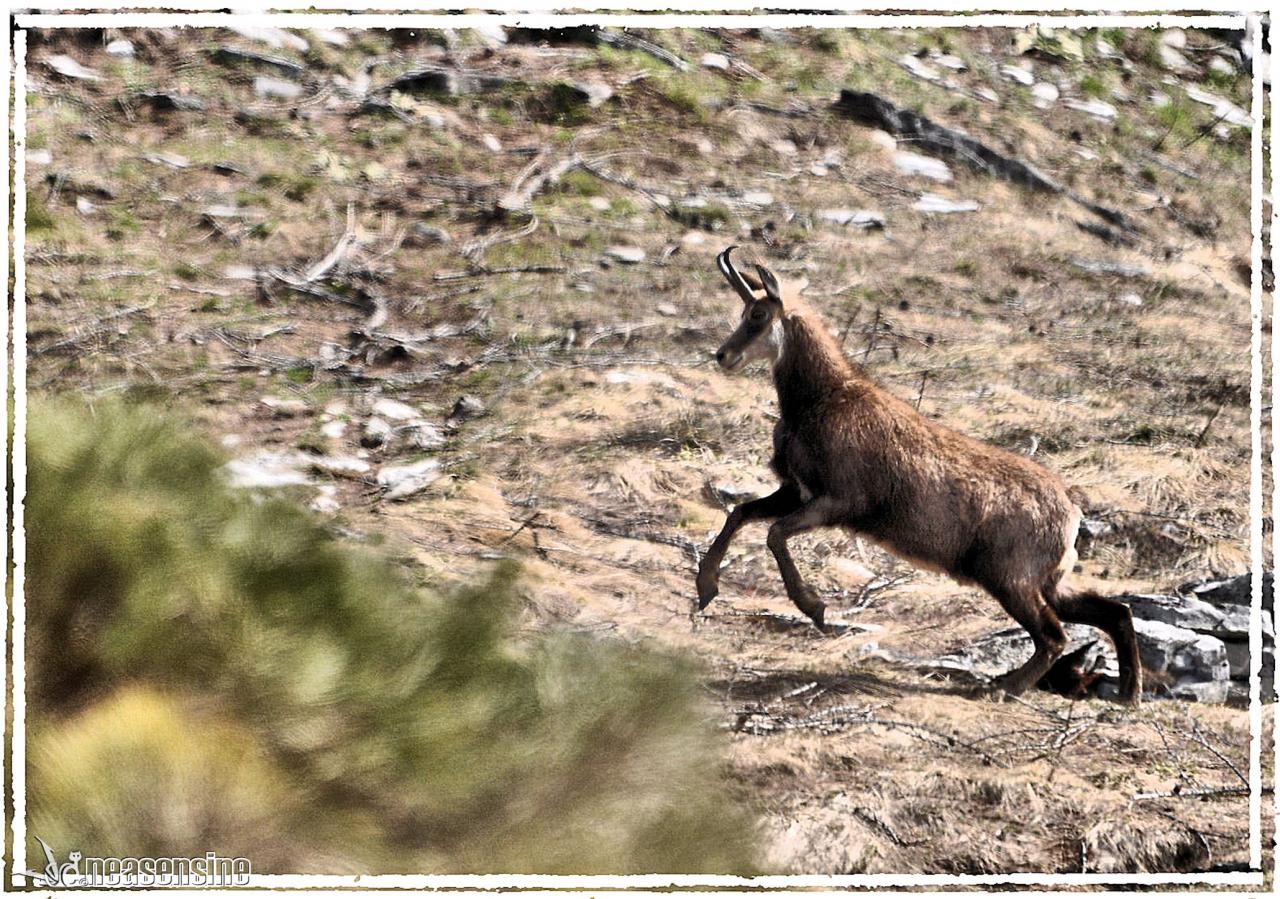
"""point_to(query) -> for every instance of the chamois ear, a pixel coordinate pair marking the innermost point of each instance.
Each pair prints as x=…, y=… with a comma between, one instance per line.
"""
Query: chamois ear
x=752, y=281
x=770, y=284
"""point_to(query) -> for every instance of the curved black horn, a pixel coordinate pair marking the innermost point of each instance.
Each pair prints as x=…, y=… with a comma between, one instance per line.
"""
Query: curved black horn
x=731, y=274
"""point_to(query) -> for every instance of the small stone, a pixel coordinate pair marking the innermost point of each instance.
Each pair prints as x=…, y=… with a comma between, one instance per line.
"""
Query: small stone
x=424, y=235
x=596, y=93
x=68, y=68
x=693, y=238
x=1044, y=94
x=83, y=206
x=395, y=410
x=276, y=88
x=625, y=254
x=334, y=430
x=491, y=143
x=267, y=469
x=1222, y=66
x=1159, y=100
x=950, y=61
x=425, y=436
x=284, y=408
x=1018, y=74
x=758, y=198
x=377, y=432
x=1173, y=37
x=120, y=48
x=883, y=139
x=599, y=204
x=275, y=37
x=1172, y=59
x=39, y=157
x=705, y=147
x=936, y=205
x=818, y=170
x=340, y=466
x=925, y=166
x=1095, y=108
x=1131, y=299
x=916, y=67
x=492, y=36
x=667, y=309
x=331, y=36
x=466, y=407
x=326, y=501
x=784, y=147
x=172, y=160
x=716, y=61
x=405, y=480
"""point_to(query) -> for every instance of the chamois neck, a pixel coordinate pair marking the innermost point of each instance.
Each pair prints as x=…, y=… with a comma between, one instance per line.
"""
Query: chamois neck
x=811, y=366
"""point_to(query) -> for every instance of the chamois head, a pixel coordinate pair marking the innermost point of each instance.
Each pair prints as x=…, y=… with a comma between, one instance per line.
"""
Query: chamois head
x=759, y=332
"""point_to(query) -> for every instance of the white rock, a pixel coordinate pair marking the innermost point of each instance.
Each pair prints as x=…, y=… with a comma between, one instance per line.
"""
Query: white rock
x=883, y=139
x=331, y=36
x=1173, y=37
x=1095, y=108
x=424, y=435
x=1222, y=107
x=395, y=410
x=949, y=61
x=857, y=218
x=987, y=94
x=784, y=147
x=39, y=157
x=758, y=198
x=1018, y=74
x=1172, y=59
x=705, y=147
x=274, y=37
x=284, y=408
x=407, y=479
x=925, y=166
x=715, y=61
x=491, y=143
x=240, y=273
x=120, y=48
x=492, y=36
x=599, y=204
x=1131, y=299
x=693, y=238
x=377, y=432
x=1222, y=66
x=914, y=65
x=83, y=206
x=68, y=68
x=1159, y=100
x=625, y=254
x=326, y=501
x=334, y=430
x=934, y=204
x=340, y=466
x=266, y=86
x=1044, y=94
x=818, y=170
x=172, y=160
x=267, y=469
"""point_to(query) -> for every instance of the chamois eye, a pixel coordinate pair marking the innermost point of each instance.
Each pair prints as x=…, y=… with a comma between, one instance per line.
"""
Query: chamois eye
x=759, y=314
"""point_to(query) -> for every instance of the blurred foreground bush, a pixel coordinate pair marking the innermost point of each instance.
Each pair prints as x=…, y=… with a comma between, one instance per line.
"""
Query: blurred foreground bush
x=213, y=671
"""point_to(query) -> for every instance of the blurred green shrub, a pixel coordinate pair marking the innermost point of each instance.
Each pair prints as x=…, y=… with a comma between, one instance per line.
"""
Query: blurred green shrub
x=206, y=666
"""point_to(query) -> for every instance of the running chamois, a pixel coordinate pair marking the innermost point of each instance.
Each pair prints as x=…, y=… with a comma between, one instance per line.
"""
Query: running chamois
x=850, y=454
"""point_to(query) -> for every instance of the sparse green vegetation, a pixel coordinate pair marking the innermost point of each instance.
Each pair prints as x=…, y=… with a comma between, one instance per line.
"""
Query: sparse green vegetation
x=359, y=722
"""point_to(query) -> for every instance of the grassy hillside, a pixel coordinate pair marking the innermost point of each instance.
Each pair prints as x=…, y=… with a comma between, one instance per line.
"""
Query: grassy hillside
x=512, y=234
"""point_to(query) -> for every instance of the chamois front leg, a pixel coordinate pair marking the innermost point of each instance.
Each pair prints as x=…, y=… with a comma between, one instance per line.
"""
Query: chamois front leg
x=818, y=512
x=782, y=501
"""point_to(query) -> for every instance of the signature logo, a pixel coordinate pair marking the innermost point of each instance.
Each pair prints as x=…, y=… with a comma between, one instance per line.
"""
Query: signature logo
x=55, y=875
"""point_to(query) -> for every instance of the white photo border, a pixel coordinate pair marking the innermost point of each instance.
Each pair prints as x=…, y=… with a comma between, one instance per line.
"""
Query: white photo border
x=542, y=14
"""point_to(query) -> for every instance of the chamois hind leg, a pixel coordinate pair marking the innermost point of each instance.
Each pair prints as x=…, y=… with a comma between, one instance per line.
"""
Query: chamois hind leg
x=1028, y=608
x=783, y=500
x=1113, y=618
x=818, y=512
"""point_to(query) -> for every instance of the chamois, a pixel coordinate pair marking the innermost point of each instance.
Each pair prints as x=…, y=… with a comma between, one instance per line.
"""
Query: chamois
x=850, y=454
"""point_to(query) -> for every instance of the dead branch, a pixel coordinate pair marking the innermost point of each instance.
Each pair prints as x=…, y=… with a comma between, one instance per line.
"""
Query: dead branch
x=527, y=185
x=631, y=42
